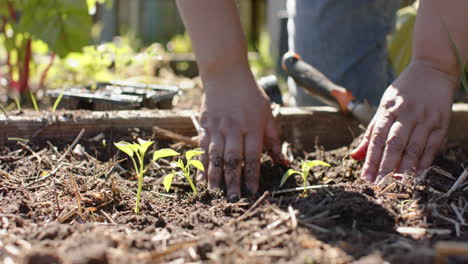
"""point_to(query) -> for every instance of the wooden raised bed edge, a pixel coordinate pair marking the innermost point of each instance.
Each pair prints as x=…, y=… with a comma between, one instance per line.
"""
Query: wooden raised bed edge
x=302, y=127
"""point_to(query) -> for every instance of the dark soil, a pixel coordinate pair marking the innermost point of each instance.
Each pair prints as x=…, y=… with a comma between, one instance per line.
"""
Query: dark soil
x=346, y=221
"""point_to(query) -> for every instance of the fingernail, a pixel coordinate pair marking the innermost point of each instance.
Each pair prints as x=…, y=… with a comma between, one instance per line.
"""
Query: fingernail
x=233, y=198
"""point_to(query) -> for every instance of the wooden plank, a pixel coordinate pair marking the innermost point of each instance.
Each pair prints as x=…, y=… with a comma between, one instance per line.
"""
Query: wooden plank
x=302, y=127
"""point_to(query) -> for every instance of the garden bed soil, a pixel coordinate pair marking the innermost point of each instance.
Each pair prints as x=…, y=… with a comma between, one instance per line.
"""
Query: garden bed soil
x=83, y=212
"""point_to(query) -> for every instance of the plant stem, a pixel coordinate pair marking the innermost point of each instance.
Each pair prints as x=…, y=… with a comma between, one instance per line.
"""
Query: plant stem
x=8, y=56
x=24, y=75
x=46, y=71
x=140, y=184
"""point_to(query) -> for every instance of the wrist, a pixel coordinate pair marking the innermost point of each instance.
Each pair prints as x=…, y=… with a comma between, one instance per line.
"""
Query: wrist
x=434, y=71
x=238, y=75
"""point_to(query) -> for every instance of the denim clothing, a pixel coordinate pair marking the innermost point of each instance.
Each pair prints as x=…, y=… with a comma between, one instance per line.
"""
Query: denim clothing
x=345, y=40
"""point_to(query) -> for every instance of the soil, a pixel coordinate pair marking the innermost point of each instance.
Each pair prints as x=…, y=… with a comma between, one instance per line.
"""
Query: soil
x=83, y=211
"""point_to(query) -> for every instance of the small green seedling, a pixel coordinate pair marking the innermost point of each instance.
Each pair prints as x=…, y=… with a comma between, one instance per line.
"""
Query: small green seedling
x=305, y=168
x=139, y=150
x=57, y=102
x=189, y=155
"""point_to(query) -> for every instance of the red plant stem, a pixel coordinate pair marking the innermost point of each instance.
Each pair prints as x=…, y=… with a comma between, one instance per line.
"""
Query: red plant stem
x=24, y=76
x=46, y=70
x=8, y=56
x=12, y=11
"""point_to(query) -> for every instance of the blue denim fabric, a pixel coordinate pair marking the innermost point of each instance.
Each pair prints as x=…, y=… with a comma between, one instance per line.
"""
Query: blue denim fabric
x=346, y=40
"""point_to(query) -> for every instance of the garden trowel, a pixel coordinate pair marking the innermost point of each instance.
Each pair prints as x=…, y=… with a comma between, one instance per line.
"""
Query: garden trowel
x=318, y=85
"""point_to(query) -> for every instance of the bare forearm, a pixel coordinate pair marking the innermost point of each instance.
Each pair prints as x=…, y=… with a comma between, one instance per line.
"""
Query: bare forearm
x=436, y=19
x=215, y=29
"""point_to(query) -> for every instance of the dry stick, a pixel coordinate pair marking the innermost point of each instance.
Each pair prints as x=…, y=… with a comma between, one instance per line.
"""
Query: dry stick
x=195, y=122
x=457, y=184
x=300, y=189
x=457, y=213
x=26, y=147
x=108, y=217
x=293, y=217
x=449, y=248
x=255, y=205
x=166, y=134
x=59, y=161
x=77, y=195
x=419, y=231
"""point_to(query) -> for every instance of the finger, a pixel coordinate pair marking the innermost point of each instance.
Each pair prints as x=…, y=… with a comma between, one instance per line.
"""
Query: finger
x=414, y=149
x=204, y=143
x=273, y=143
x=215, y=168
x=395, y=145
x=233, y=154
x=376, y=146
x=359, y=153
x=252, y=153
x=434, y=143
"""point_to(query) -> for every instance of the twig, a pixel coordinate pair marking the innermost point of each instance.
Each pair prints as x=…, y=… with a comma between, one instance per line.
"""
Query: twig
x=457, y=184
x=444, y=249
x=457, y=213
x=312, y=226
x=77, y=195
x=419, y=231
x=255, y=205
x=293, y=217
x=26, y=147
x=59, y=160
x=164, y=195
x=108, y=217
x=195, y=122
x=300, y=189
x=166, y=134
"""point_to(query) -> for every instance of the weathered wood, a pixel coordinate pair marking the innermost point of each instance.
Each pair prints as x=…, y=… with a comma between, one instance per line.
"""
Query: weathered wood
x=302, y=127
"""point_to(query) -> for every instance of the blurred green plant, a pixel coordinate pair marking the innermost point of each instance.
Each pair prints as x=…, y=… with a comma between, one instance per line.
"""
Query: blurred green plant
x=63, y=26
x=105, y=62
x=180, y=44
x=263, y=64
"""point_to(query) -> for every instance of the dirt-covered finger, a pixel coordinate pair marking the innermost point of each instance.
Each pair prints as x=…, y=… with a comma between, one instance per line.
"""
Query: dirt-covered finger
x=414, y=149
x=434, y=143
x=359, y=153
x=395, y=145
x=252, y=153
x=376, y=146
x=273, y=143
x=215, y=168
x=233, y=157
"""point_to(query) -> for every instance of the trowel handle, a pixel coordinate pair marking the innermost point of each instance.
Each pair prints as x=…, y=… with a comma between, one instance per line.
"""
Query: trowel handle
x=316, y=83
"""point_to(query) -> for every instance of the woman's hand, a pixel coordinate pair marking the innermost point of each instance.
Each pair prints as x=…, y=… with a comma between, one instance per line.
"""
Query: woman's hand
x=410, y=124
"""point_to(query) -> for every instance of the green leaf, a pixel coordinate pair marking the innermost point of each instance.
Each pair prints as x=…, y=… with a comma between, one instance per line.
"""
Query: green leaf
x=308, y=164
x=65, y=24
x=197, y=164
x=287, y=175
x=126, y=147
x=144, y=145
x=192, y=153
x=163, y=153
x=168, y=181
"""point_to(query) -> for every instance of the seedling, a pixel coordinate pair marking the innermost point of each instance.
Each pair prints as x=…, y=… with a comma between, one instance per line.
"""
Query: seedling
x=34, y=101
x=305, y=168
x=57, y=102
x=139, y=150
x=189, y=155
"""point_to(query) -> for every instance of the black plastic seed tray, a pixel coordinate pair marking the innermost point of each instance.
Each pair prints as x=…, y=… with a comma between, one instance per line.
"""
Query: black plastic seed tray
x=116, y=95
